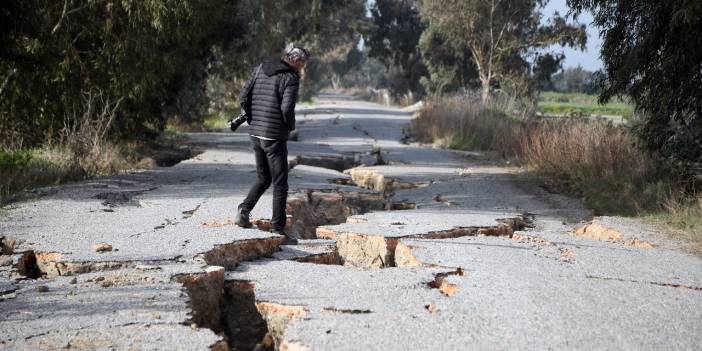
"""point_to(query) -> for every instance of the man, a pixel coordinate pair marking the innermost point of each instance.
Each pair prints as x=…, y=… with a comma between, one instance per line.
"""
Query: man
x=269, y=98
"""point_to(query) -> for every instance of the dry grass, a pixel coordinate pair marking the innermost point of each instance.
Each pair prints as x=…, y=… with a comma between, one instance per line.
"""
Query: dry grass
x=683, y=216
x=81, y=150
x=597, y=161
x=465, y=124
x=592, y=159
x=58, y=164
x=589, y=158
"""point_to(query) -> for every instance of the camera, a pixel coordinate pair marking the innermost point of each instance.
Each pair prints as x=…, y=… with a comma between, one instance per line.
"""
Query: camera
x=237, y=121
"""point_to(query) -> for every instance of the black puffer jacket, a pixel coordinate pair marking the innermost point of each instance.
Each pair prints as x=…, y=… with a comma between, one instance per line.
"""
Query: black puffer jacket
x=270, y=101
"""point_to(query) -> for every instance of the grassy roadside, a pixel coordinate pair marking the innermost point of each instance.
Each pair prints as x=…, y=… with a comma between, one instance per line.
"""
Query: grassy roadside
x=553, y=103
x=25, y=169
x=214, y=122
x=591, y=159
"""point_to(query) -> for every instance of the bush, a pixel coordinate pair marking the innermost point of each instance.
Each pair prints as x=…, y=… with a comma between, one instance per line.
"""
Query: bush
x=15, y=158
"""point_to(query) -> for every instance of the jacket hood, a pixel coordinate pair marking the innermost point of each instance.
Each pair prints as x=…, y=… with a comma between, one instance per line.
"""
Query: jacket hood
x=272, y=67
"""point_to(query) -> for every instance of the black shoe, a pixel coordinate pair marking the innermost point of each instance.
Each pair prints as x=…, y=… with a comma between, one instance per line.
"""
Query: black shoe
x=288, y=240
x=242, y=218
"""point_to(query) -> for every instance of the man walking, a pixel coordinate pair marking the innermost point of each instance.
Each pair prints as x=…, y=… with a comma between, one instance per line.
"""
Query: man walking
x=269, y=98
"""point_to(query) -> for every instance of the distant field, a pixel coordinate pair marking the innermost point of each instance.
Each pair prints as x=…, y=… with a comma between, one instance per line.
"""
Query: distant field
x=552, y=103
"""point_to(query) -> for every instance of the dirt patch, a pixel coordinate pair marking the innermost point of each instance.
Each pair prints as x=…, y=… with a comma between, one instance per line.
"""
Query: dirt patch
x=404, y=256
x=372, y=179
x=536, y=240
x=377, y=251
x=278, y=317
x=440, y=282
x=231, y=254
x=7, y=245
x=599, y=232
x=316, y=208
x=366, y=251
x=567, y=255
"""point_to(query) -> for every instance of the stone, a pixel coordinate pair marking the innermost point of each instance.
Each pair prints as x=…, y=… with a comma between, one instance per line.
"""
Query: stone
x=102, y=247
x=597, y=231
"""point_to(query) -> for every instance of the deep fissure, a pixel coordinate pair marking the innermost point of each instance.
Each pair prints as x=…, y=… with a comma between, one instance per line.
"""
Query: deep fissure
x=314, y=208
x=377, y=251
x=230, y=309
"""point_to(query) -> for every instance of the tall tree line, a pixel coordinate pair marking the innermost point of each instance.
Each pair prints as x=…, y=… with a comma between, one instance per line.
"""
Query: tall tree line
x=461, y=44
x=148, y=61
x=650, y=52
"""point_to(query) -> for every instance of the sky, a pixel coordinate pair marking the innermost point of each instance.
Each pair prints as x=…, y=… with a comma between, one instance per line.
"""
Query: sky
x=588, y=59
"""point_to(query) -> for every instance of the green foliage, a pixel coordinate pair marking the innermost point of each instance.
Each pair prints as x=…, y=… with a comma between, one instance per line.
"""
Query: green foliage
x=393, y=40
x=261, y=29
x=545, y=66
x=651, y=53
x=449, y=63
x=553, y=103
x=15, y=158
x=53, y=53
x=160, y=59
x=500, y=35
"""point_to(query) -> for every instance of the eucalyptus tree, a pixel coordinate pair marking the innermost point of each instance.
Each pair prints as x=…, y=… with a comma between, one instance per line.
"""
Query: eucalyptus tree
x=394, y=40
x=500, y=34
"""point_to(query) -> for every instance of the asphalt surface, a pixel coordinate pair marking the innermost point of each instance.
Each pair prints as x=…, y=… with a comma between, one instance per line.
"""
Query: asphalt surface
x=539, y=287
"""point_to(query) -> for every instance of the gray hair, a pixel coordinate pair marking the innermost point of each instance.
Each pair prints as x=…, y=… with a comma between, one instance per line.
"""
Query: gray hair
x=296, y=53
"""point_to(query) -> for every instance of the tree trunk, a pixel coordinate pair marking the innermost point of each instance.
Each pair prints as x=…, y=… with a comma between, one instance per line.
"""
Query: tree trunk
x=485, y=91
x=336, y=81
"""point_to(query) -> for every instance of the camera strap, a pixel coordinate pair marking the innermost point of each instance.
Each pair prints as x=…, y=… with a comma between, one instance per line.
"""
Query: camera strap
x=250, y=90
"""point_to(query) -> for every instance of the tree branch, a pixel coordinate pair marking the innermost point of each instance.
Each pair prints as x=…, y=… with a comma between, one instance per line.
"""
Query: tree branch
x=63, y=15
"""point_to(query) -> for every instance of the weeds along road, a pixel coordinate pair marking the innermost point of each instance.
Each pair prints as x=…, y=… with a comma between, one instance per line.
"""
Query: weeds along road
x=404, y=248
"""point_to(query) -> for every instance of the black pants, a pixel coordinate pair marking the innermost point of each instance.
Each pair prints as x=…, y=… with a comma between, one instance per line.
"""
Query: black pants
x=271, y=167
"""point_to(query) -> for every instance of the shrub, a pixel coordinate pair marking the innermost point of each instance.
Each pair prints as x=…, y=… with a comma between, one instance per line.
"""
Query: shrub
x=598, y=161
x=15, y=158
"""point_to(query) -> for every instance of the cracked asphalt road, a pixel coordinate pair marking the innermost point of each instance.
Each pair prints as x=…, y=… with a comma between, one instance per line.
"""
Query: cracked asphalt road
x=539, y=286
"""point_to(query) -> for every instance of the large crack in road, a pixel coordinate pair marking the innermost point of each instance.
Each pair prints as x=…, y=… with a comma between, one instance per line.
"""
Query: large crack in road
x=402, y=247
